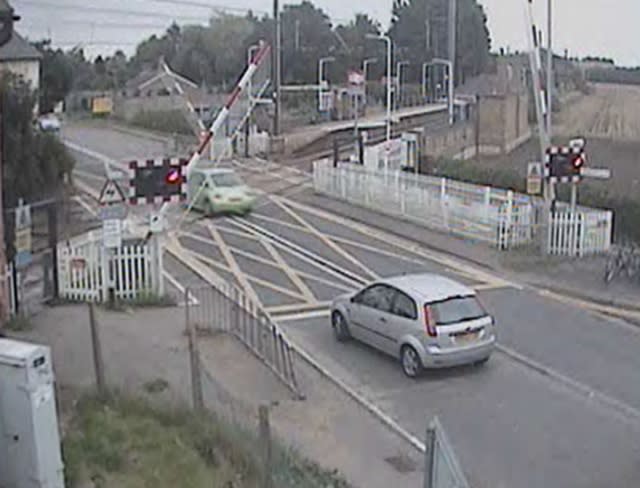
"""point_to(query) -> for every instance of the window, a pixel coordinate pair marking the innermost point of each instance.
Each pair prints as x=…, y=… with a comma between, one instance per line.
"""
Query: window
x=404, y=306
x=378, y=296
x=457, y=309
x=226, y=180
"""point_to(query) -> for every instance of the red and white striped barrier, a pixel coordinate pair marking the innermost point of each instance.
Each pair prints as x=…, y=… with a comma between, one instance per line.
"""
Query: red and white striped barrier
x=224, y=113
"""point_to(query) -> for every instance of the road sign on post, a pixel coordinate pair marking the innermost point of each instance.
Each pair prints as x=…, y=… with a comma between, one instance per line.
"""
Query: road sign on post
x=534, y=178
x=112, y=233
x=23, y=235
x=112, y=202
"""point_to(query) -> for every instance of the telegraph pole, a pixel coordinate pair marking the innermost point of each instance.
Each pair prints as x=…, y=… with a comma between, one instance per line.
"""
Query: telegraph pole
x=549, y=67
x=276, y=68
x=453, y=15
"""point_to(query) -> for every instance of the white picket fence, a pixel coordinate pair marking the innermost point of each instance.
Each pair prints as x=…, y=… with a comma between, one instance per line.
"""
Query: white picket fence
x=502, y=218
x=86, y=271
x=581, y=233
x=499, y=217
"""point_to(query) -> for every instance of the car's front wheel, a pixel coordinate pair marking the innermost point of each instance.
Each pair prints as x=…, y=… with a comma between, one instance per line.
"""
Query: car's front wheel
x=340, y=327
x=411, y=362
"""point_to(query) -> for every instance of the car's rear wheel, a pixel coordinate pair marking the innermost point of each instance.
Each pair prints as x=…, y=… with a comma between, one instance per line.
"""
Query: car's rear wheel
x=340, y=327
x=482, y=361
x=411, y=362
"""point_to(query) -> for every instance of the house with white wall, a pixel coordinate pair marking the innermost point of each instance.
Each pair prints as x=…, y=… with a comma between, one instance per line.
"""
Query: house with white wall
x=20, y=58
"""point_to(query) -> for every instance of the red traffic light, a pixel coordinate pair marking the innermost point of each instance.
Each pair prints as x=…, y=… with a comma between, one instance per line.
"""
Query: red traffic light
x=173, y=177
x=578, y=161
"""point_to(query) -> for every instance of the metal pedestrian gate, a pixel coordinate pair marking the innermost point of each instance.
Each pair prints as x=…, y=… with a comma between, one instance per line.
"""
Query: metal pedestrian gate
x=88, y=272
x=224, y=308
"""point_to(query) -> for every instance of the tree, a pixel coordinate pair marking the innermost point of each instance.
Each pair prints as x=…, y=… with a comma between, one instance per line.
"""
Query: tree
x=306, y=37
x=57, y=76
x=358, y=47
x=419, y=29
x=34, y=163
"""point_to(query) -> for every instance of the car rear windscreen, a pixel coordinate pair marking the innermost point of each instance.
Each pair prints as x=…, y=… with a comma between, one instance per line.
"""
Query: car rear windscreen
x=457, y=309
x=226, y=180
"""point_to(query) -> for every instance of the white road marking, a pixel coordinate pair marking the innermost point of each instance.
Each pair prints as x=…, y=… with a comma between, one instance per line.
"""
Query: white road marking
x=192, y=300
x=314, y=314
x=332, y=245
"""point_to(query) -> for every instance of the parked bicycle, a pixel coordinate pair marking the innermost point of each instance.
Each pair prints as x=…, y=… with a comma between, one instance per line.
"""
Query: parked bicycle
x=624, y=259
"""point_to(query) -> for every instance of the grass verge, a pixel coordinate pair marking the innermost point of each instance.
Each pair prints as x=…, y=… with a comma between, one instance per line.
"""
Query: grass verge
x=125, y=442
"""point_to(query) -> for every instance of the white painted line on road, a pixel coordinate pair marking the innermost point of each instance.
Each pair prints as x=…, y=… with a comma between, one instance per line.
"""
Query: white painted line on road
x=605, y=310
x=174, y=281
x=95, y=155
x=297, y=307
x=305, y=291
x=233, y=264
x=83, y=187
x=89, y=175
x=85, y=205
x=401, y=243
x=332, y=245
x=627, y=411
x=314, y=314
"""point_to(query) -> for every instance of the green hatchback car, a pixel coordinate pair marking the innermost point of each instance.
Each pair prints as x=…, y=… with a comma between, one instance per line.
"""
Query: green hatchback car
x=222, y=192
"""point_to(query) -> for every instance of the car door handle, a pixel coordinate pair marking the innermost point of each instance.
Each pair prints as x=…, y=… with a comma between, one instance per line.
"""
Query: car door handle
x=382, y=319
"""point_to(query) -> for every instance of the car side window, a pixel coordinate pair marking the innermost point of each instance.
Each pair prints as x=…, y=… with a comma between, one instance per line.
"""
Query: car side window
x=404, y=306
x=379, y=297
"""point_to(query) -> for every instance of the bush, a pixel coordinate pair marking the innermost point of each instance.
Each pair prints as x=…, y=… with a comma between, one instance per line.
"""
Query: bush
x=169, y=121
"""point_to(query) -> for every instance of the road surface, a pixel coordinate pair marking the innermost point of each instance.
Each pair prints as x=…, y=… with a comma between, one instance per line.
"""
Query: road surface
x=558, y=405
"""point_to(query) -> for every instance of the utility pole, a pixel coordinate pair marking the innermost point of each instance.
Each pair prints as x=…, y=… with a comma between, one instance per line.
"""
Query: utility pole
x=276, y=68
x=549, y=67
x=7, y=18
x=4, y=292
x=453, y=15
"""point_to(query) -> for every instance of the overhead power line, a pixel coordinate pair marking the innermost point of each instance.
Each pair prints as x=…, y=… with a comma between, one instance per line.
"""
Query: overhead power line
x=95, y=24
x=105, y=10
x=194, y=3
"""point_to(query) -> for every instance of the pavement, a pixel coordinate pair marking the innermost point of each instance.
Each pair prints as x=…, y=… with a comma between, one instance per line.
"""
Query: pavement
x=557, y=405
x=147, y=345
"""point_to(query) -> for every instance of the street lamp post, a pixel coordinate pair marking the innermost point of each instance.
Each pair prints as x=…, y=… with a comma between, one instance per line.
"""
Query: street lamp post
x=449, y=66
x=321, y=80
x=425, y=67
x=365, y=65
x=399, y=66
x=386, y=39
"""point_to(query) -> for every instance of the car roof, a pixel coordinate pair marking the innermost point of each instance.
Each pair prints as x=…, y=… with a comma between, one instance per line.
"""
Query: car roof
x=429, y=287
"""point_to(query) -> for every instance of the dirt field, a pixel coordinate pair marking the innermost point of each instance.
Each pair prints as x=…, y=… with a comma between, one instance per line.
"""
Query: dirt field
x=610, y=112
x=609, y=118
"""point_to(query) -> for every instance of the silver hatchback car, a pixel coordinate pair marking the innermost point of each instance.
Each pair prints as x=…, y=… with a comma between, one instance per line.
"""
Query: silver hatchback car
x=425, y=320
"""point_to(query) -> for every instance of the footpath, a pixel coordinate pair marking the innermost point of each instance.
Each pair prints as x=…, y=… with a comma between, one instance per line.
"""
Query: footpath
x=148, y=347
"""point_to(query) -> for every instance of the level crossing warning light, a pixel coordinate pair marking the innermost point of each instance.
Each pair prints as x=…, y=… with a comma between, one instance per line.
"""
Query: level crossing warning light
x=157, y=181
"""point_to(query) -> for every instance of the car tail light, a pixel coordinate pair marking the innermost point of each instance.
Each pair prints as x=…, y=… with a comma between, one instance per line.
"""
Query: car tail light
x=429, y=322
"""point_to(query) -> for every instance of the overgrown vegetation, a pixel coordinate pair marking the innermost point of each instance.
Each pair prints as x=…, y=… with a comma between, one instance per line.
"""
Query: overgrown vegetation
x=124, y=442
x=626, y=208
x=144, y=300
x=35, y=163
x=19, y=323
x=169, y=121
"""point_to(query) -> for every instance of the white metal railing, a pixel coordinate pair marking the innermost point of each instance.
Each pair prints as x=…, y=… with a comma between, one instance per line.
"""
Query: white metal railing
x=499, y=217
x=86, y=271
x=581, y=233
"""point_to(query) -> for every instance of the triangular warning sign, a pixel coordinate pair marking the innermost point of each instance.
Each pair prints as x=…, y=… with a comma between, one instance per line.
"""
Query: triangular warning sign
x=111, y=194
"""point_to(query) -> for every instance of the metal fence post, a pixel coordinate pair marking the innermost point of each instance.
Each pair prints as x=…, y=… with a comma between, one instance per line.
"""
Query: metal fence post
x=265, y=444
x=96, y=346
x=429, y=455
x=194, y=358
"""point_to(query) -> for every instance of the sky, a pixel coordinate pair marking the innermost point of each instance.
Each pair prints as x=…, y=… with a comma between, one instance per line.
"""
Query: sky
x=584, y=27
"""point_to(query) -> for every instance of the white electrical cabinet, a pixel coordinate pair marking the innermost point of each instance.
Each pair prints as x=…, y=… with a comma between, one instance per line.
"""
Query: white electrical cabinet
x=29, y=438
